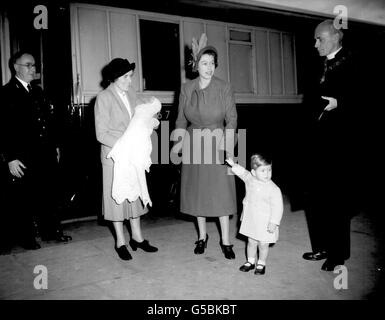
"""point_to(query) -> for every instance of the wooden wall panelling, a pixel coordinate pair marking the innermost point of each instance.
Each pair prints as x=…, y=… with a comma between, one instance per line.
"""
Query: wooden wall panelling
x=262, y=63
x=276, y=63
x=94, y=50
x=190, y=29
x=123, y=30
x=289, y=64
x=101, y=33
x=241, y=68
x=216, y=35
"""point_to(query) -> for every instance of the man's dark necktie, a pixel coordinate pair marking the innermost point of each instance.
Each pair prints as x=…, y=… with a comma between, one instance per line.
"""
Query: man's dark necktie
x=324, y=71
x=322, y=80
x=29, y=87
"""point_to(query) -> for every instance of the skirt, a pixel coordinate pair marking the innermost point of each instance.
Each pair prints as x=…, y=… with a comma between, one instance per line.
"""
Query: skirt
x=207, y=190
x=207, y=187
x=118, y=212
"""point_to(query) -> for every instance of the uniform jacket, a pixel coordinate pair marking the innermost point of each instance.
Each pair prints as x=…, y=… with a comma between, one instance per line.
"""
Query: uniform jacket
x=28, y=125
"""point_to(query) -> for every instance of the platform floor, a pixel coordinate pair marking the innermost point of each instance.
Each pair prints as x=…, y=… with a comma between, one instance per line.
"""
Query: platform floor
x=89, y=268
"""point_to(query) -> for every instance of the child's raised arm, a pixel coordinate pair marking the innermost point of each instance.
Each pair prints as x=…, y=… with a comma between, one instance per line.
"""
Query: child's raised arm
x=240, y=171
x=230, y=162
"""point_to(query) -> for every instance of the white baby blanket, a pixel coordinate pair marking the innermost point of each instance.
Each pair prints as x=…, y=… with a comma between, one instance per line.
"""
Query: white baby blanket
x=132, y=155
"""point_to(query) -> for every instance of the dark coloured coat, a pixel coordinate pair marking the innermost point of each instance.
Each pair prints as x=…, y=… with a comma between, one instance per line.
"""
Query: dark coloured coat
x=206, y=189
x=29, y=128
x=335, y=161
x=336, y=131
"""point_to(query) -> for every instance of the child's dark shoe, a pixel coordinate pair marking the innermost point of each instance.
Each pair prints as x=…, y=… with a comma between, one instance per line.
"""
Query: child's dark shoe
x=260, y=269
x=247, y=266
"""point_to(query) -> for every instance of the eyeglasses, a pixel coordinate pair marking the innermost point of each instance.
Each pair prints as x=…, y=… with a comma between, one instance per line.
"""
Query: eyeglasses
x=28, y=65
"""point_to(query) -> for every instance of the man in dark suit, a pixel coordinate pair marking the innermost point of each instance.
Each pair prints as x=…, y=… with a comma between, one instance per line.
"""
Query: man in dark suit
x=29, y=146
x=331, y=201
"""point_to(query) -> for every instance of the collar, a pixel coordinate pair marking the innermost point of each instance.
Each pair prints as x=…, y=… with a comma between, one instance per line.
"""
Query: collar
x=25, y=84
x=333, y=54
x=118, y=90
x=213, y=80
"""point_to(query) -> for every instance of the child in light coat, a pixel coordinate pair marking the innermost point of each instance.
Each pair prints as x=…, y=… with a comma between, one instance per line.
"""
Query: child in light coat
x=262, y=210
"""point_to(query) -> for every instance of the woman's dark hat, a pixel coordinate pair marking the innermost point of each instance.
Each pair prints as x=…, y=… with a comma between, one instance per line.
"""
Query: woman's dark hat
x=118, y=67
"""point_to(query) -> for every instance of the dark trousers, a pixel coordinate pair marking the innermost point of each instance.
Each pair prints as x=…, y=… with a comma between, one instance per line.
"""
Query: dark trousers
x=6, y=222
x=34, y=200
x=328, y=214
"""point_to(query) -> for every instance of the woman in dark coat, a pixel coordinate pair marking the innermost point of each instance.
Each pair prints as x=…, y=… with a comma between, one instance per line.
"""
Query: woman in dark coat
x=207, y=107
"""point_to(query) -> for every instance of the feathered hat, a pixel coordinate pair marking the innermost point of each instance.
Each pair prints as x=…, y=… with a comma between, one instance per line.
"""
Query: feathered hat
x=198, y=49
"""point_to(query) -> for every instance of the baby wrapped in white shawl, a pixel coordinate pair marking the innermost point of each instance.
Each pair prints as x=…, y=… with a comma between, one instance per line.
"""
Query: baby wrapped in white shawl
x=132, y=155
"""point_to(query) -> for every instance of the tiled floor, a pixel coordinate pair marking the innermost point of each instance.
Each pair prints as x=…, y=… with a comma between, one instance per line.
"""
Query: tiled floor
x=88, y=267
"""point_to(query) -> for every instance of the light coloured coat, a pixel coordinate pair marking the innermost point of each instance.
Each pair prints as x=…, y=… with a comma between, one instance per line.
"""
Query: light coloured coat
x=132, y=155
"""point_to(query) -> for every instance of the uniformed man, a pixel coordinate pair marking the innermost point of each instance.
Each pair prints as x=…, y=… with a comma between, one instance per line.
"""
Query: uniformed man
x=29, y=145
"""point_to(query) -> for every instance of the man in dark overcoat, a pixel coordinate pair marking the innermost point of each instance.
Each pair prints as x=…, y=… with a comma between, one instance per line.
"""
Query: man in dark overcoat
x=30, y=148
x=334, y=151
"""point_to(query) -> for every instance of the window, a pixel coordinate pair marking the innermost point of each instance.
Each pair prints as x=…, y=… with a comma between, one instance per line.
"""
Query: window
x=160, y=55
x=240, y=55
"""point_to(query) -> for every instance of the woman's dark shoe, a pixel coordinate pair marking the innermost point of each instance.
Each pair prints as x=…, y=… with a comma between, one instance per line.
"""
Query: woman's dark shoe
x=247, y=266
x=123, y=253
x=201, y=245
x=227, y=251
x=260, y=269
x=144, y=245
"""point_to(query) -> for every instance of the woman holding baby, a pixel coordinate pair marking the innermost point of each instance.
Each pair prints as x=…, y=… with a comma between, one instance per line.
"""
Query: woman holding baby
x=114, y=109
